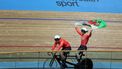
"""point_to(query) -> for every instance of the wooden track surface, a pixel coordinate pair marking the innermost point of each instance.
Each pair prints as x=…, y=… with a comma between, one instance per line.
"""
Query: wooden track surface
x=15, y=32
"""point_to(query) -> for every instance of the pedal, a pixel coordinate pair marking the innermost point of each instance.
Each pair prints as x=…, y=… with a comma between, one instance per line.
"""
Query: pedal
x=64, y=65
x=77, y=56
x=83, y=54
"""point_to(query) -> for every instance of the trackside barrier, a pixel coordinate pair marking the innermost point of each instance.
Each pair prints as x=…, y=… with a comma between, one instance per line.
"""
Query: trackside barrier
x=102, y=59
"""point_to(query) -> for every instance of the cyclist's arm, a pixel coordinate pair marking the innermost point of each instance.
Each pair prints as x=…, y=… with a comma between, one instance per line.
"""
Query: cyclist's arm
x=78, y=30
x=54, y=45
x=59, y=47
x=89, y=32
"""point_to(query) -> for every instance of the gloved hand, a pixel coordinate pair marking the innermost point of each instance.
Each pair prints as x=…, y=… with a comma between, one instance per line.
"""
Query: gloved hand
x=94, y=27
x=78, y=24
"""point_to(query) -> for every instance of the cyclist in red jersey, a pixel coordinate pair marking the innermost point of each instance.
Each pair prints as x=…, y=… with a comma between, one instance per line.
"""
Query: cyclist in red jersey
x=85, y=34
x=61, y=43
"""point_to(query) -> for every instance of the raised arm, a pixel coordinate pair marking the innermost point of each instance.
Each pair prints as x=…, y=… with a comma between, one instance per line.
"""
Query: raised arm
x=78, y=30
x=89, y=32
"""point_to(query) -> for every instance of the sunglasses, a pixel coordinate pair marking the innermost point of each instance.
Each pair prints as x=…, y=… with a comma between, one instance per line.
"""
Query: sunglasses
x=56, y=39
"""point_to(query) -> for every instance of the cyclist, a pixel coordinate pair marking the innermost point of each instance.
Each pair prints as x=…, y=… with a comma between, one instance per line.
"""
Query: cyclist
x=85, y=34
x=65, y=45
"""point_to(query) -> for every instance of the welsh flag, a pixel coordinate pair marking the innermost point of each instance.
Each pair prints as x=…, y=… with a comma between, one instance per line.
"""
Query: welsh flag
x=99, y=23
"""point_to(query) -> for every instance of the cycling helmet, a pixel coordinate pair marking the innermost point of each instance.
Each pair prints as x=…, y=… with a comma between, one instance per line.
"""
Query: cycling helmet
x=84, y=30
x=56, y=37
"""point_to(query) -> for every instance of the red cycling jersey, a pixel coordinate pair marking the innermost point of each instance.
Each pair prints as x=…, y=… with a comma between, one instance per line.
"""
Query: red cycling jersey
x=61, y=44
x=84, y=37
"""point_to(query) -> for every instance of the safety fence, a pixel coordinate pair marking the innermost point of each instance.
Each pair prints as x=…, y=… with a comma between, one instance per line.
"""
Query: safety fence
x=102, y=59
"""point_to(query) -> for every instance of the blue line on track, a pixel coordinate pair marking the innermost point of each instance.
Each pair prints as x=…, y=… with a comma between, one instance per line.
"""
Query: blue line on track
x=27, y=65
x=59, y=19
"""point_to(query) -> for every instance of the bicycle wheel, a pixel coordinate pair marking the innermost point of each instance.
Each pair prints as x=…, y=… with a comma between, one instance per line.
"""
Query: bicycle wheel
x=47, y=66
x=86, y=64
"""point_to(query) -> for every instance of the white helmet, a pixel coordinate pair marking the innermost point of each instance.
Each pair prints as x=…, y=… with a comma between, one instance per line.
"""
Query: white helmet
x=84, y=29
x=57, y=37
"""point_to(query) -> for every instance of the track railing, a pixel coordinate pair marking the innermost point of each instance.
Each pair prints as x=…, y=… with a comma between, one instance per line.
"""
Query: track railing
x=102, y=59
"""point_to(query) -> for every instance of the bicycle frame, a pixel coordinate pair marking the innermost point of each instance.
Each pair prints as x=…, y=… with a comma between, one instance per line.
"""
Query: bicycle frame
x=84, y=64
x=56, y=57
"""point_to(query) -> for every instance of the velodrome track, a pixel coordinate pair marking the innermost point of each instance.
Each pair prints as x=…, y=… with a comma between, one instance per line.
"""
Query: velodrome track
x=24, y=32
x=34, y=30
